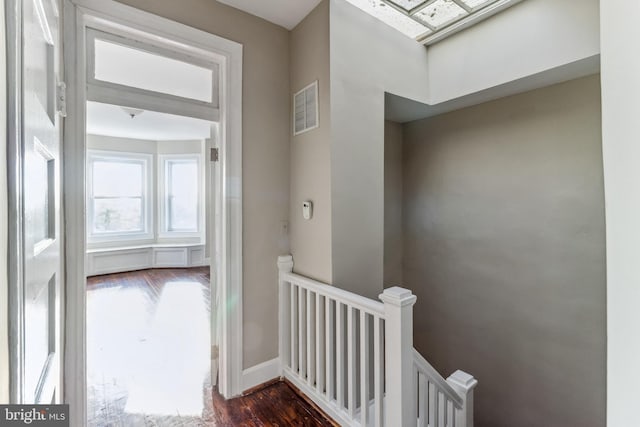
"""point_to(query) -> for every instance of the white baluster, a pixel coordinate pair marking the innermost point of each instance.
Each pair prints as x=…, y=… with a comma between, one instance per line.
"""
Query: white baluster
x=400, y=384
x=378, y=370
x=311, y=332
x=433, y=405
x=422, y=401
x=302, y=318
x=294, y=327
x=351, y=360
x=442, y=410
x=340, y=355
x=320, y=343
x=364, y=368
x=330, y=336
x=450, y=414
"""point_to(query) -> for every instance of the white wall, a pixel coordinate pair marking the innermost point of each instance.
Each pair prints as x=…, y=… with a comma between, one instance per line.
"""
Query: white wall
x=367, y=59
x=528, y=38
x=621, y=150
x=4, y=324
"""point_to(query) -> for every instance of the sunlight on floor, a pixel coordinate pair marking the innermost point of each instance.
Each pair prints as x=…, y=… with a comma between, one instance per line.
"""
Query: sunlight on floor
x=169, y=382
x=148, y=350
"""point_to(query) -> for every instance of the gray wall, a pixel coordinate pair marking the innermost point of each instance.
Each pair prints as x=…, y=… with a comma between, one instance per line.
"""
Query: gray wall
x=311, y=151
x=265, y=155
x=504, y=245
x=368, y=58
x=392, y=273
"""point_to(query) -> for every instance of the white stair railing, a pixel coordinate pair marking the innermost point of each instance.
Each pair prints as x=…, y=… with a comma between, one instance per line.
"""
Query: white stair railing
x=354, y=357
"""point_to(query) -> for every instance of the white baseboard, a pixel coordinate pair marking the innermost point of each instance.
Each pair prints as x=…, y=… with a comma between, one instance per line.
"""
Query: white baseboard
x=261, y=373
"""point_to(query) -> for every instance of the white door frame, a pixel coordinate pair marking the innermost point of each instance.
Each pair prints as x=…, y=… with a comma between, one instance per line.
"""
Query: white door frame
x=15, y=199
x=78, y=14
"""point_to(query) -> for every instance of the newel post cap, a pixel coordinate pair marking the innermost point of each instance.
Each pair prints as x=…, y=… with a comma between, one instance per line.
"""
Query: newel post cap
x=285, y=263
x=397, y=296
x=462, y=380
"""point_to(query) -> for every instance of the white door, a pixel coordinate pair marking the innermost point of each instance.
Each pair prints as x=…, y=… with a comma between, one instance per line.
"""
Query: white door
x=41, y=203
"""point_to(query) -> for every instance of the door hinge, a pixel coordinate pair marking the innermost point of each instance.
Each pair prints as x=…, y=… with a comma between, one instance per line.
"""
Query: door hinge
x=61, y=97
x=215, y=155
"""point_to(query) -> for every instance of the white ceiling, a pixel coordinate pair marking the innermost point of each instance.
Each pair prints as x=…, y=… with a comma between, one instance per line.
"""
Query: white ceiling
x=112, y=120
x=286, y=13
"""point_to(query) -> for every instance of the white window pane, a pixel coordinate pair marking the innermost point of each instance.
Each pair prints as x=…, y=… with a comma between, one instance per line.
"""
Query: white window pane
x=112, y=178
x=184, y=214
x=183, y=195
x=136, y=68
x=408, y=4
x=118, y=215
x=440, y=13
x=392, y=17
x=477, y=3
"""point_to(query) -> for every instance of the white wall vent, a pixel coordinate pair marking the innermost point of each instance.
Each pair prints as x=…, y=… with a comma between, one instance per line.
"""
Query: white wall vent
x=305, y=109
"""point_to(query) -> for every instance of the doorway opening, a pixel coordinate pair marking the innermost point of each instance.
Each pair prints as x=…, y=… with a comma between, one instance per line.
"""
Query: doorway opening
x=154, y=222
x=149, y=302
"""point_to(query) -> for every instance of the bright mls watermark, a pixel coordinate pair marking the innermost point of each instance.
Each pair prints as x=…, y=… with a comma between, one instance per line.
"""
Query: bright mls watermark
x=34, y=415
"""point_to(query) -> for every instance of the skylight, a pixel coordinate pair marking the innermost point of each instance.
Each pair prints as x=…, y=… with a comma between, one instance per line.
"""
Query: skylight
x=428, y=21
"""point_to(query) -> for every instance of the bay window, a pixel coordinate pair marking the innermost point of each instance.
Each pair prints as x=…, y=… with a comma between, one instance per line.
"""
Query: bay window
x=119, y=196
x=181, y=209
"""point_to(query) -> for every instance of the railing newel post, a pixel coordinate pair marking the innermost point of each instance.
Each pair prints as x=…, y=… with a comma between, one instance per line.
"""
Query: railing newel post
x=400, y=396
x=285, y=265
x=464, y=384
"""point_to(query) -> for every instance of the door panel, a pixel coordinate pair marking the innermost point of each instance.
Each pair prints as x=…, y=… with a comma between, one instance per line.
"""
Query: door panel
x=41, y=201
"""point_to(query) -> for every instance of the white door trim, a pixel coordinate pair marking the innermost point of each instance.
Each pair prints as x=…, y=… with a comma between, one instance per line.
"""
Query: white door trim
x=228, y=275
x=15, y=199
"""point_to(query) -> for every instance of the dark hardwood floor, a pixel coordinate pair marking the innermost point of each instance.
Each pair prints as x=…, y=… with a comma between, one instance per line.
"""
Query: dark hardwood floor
x=276, y=404
x=148, y=341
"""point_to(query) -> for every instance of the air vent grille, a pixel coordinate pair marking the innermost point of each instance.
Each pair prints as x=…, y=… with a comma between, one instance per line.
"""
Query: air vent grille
x=305, y=109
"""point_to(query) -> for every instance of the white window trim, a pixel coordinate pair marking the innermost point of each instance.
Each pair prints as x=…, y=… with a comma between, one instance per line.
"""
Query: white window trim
x=148, y=198
x=163, y=230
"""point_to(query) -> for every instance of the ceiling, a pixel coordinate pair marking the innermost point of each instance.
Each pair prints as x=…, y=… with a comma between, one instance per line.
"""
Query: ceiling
x=286, y=13
x=112, y=120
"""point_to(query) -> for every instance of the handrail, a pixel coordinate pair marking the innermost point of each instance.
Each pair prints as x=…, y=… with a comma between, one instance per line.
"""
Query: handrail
x=357, y=301
x=435, y=377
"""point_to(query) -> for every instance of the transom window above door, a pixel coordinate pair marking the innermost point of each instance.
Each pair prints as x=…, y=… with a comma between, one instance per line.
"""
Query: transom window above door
x=139, y=74
x=151, y=71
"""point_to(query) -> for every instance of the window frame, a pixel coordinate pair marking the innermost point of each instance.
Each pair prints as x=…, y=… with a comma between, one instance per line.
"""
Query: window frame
x=147, y=197
x=163, y=195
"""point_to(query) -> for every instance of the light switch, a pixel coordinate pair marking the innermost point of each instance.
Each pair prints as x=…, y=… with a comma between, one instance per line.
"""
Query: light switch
x=307, y=209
